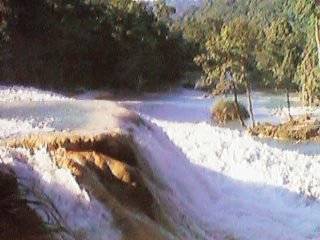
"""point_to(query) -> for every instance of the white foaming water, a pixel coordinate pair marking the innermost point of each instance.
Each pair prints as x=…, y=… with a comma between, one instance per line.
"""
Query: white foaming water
x=212, y=182
x=218, y=183
x=19, y=93
x=11, y=127
x=85, y=217
x=282, y=112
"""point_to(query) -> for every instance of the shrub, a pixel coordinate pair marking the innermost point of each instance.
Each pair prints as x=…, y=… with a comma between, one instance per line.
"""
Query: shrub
x=225, y=110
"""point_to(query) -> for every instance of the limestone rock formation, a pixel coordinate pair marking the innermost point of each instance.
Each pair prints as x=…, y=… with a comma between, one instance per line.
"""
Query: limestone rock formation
x=107, y=166
x=301, y=129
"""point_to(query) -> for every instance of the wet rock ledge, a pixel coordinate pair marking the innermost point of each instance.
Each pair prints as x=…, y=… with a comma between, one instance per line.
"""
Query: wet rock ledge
x=107, y=166
x=301, y=129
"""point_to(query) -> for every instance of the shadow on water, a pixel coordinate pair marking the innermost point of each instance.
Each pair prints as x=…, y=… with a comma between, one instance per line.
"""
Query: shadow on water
x=205, y=204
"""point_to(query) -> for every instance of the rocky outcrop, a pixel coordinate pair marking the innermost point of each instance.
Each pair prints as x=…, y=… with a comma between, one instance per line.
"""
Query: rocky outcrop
x=110, y=156
x=301, y=129
x=107, y=166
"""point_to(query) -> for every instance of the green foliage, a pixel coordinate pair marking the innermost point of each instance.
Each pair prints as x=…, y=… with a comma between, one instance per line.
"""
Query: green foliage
x=282, y=52
x=74, y=43
x=229, y=55
x=162, y=11
x=229, y=58
x=308, y=75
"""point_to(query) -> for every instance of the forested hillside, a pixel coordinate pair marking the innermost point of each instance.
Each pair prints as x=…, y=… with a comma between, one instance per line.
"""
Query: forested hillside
x=84, y=43
x=132, y=45
x=181, y=6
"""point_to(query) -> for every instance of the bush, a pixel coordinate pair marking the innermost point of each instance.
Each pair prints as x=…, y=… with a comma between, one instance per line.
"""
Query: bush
x=225, y=110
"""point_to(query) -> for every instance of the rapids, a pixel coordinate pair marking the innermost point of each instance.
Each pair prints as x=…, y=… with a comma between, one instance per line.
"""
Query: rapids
x=206, y=181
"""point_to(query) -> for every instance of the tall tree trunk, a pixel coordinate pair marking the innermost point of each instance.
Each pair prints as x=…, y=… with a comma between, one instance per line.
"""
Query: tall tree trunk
x=317, y=37
x=248, y=91
x=288, y=102
x=237, y=107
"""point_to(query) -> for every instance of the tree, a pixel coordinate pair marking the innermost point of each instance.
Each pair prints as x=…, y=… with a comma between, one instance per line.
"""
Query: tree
x=162, y=11
x=229, y=57
x=308, y=75
x=83, y=43
x=282, y=51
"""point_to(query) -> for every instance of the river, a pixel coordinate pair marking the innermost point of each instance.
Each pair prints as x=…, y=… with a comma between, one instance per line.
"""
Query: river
x=221, y=183
x=210, y=181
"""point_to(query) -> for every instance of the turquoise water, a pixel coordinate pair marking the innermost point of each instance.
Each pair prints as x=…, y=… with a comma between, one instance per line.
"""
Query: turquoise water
x=194, y=106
